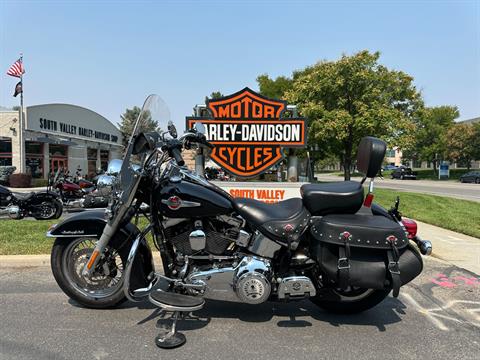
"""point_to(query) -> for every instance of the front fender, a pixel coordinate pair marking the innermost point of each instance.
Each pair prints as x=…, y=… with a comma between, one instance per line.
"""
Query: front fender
x=84, y=224
x=91, y=224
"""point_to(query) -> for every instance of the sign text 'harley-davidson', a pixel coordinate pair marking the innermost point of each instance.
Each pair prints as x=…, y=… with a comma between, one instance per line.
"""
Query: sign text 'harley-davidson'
x=248, y=131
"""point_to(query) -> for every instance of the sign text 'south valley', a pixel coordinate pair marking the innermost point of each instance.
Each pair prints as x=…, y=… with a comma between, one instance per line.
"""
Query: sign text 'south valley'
x=248, y=131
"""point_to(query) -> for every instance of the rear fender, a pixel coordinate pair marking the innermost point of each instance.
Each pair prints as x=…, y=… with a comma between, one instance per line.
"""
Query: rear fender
x=42, y=196
x=91, y=224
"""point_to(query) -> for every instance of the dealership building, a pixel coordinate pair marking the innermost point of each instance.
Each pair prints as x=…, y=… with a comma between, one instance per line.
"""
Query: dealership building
x=58, y=135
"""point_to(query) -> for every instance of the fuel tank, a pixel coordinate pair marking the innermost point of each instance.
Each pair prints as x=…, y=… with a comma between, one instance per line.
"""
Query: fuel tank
x=186, y=199
x=5, y=196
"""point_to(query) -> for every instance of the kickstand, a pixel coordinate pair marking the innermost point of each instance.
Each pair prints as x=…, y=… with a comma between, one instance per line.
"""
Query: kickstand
x=170, y=338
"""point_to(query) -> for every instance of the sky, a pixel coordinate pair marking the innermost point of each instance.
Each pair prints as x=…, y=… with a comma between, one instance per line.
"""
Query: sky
x=109, y=55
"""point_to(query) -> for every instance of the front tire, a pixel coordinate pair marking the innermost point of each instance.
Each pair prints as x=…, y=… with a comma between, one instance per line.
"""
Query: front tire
x=350, y=302
x=104, y=289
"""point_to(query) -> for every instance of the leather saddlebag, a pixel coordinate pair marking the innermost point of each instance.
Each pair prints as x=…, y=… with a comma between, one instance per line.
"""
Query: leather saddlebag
x=364, y=251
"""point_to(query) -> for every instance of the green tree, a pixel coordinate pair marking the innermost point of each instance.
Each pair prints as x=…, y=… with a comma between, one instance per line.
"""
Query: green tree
x=460, y=141
x=214, y=95
x=353, y=97
x=274, y=88
x=129, y=118
x=476, y=141
x=431, y=135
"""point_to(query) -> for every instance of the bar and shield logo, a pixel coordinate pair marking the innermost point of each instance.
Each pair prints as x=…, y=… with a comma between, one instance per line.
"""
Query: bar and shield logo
x=249, y=132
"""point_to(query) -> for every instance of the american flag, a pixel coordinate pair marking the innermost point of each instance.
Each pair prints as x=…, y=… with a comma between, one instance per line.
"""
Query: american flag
x=16, y=69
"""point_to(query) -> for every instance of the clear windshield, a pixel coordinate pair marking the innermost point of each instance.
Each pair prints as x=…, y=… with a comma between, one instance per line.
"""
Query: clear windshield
x=154, y=116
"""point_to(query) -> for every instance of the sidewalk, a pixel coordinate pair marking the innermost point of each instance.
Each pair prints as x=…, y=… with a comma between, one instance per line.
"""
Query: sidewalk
x=22, y=190
x=457, y=249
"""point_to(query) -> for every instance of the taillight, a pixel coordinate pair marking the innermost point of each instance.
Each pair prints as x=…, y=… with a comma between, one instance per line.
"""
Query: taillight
x=368, y=200
x=411, y=227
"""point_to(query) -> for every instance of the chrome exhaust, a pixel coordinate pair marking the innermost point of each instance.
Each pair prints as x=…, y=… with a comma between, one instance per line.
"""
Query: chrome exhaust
x=424, y=246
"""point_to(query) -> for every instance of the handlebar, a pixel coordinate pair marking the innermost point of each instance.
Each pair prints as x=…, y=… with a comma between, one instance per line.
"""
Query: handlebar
x=177, y=155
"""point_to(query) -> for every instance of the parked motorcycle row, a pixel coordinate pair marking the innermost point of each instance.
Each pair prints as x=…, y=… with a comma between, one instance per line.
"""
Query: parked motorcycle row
x=64, y=192
x=333, y=245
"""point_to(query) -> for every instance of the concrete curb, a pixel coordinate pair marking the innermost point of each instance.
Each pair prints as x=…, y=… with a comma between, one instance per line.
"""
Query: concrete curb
x=20, y=261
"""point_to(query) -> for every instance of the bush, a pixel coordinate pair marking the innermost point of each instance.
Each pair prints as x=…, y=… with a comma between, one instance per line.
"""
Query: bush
x=39, y=182
x=430, y=174
x=20, y=180
x=5, y=172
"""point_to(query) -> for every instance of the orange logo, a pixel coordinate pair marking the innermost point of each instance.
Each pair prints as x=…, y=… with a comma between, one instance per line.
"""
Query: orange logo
x=248, y=131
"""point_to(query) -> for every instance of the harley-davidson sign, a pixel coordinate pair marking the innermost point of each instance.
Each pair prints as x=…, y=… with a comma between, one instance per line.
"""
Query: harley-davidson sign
x=249, y=131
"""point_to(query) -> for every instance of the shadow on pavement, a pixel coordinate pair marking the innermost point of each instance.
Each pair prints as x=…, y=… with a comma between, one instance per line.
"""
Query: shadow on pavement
x=296, y=314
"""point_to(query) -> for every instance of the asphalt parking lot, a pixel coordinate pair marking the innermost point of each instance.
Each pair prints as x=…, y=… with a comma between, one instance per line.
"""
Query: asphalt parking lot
x=437, y=316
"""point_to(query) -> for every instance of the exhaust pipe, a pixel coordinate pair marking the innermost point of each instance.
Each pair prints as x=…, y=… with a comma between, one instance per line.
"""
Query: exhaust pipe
x=424, y=246
x=75, y=204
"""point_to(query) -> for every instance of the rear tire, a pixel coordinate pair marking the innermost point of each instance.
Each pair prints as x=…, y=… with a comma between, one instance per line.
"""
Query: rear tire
x=357, y=301
x=477, y=181
x=56, y=210
x=62, y=254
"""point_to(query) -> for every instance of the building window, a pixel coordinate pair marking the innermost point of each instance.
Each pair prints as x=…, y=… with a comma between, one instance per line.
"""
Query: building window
x=104, y=157
x=34, y=158
x=92, y=162
x=58, y=157
x=390, y=153
x=5, y=152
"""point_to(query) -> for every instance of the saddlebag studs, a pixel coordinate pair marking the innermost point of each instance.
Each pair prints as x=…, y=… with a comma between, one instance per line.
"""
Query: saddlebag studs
x=364, y=252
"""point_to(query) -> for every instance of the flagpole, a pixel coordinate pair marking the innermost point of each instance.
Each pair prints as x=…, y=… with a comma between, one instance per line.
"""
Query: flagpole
x=22, y=126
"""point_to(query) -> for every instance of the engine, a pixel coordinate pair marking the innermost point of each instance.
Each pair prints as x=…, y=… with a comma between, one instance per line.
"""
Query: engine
x=220, y=270
x=212, y=236
x=246, y=281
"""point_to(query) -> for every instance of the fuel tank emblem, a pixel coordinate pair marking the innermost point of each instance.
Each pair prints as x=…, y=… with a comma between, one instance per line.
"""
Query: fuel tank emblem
x=175, y=203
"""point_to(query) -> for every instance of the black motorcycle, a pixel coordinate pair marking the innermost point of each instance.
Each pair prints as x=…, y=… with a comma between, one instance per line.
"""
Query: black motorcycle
x=332, y=245
x=42, y=205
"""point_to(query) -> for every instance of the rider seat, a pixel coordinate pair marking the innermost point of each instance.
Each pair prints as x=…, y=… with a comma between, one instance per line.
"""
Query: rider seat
x=23, y=196
x=340, y=197
x=284, y=221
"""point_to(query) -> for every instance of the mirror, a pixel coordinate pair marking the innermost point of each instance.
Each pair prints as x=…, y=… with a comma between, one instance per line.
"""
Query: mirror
x=199, y=128
x=114, y=167
x=172, y=130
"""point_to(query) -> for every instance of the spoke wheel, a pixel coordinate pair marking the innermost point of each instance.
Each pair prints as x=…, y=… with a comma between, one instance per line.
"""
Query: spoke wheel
x=46, y=210
x=107, y=277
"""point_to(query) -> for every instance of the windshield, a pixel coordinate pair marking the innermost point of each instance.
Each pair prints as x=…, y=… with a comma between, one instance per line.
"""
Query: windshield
x=154, y=116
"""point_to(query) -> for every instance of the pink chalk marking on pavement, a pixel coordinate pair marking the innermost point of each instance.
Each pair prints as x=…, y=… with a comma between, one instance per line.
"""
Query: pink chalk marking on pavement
x=445, y=282
x=468, y=281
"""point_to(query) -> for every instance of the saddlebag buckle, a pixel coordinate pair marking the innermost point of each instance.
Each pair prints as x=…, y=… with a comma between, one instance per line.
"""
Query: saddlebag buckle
x=343, y=263
x=393, y=268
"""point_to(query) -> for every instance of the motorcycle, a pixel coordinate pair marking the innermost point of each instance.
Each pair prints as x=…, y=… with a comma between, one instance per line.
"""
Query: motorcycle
x=332, y=245
x=78, y=194
x=42, y=205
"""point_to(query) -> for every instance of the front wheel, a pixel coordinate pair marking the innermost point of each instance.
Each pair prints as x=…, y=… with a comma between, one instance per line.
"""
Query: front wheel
x=477, y=181
x=351, y=300
x=104, y=289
